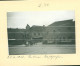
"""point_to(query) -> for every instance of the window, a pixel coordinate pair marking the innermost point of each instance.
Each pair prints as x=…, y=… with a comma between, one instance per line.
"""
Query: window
x=63, y=38
x=34, y=33
x=69, y=37
x=38, y=33
x=59, y=29
x=47, y=32
x=53, y=30
x=69, y=28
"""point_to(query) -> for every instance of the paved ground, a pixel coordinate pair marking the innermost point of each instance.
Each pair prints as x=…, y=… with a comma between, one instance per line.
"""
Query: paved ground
x=42, y=49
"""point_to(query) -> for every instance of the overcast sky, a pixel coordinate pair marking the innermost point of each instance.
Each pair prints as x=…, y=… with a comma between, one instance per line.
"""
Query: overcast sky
x=21, y=19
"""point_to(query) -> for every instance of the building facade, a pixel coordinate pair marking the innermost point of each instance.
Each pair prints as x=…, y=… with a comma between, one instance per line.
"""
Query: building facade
x=32, y=34
x=59, y=32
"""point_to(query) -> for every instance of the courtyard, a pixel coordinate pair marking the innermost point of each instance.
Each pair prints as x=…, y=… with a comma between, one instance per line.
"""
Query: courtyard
x=39, y=48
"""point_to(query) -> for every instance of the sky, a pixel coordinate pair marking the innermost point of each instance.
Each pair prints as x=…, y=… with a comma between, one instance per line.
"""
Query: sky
x=21, y=19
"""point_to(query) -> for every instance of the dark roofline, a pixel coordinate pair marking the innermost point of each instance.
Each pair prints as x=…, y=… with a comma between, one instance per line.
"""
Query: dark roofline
x=15, y=28
x=37, y=26
x=61, y=21
x=65, y=20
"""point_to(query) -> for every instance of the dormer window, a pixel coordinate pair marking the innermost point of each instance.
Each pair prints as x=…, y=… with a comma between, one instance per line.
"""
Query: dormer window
x=53, y=30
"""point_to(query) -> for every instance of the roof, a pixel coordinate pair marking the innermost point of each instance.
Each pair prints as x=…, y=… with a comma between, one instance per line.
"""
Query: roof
x=16, y=30
x=63, y=23
x=37, y=28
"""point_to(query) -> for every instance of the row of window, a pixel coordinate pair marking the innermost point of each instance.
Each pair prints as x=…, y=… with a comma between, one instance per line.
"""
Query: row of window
x=35, y=34
x=16, y=36
x=20, y=35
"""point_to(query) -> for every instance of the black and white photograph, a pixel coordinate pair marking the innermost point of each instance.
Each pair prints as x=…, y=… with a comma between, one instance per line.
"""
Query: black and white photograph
x=41, y=32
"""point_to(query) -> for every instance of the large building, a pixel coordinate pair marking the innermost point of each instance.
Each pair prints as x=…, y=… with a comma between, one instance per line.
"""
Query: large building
x=59, y=32
x=16, y=36
x=21, y=36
